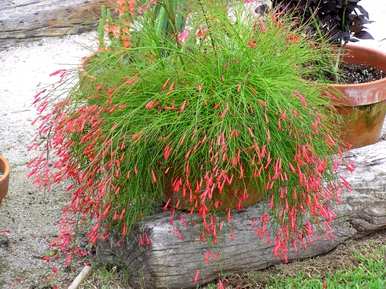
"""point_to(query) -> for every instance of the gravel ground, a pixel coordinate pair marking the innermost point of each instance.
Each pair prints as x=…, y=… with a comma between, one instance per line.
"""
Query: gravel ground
x=28, y=214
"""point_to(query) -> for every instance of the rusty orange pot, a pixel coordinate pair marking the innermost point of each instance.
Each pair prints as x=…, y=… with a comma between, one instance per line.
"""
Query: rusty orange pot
x=362, y=106
x=227, y=199
x=4, y=177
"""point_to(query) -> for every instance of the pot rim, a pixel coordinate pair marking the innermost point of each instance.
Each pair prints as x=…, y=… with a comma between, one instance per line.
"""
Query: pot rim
x=6, y=168
x=364, y=85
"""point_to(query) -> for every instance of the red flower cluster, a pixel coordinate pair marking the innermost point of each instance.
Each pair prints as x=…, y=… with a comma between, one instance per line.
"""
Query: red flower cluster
x=99, y=174
x=262, y=148
x=61, y=131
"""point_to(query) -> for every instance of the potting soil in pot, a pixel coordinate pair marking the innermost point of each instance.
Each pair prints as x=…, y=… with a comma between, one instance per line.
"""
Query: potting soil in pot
x=358, y=73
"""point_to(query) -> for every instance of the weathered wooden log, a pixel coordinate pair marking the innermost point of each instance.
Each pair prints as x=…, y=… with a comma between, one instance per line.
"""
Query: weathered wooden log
x=31, y=19
x=172, y=260
x=21, y=19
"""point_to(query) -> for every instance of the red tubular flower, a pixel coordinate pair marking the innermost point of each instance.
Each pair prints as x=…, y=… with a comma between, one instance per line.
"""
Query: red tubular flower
x=132, y=4
x=153, y=177
x=167, y=152
x=252, y=43
x=166, y=83
x=36, y=97
x=105, y=212
x=59, y=72
x=220, y=284
x=132, y=80
x=151, y=104
x=241, y=171
x=268, y=135
x=183, y=106
x=124, y=230
x=262, y=26
x=346, y=184
x=171, y=88
x=196, y=277
x=201, y=32
x=183, y=36
x=308, y=229
x=144, y=240
x=322, y=166
x=350, y=166
x=276, y=20
x=301, y=97
x=293, y=38
x=225, y=111
x=177, y=183
x=123, y=214
x=126, y=42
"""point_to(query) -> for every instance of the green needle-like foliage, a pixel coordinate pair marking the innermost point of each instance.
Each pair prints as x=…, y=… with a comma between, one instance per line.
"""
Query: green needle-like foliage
x=211, y=121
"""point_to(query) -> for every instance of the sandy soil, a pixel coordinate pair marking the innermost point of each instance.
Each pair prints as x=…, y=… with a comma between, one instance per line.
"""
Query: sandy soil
x=28, y=215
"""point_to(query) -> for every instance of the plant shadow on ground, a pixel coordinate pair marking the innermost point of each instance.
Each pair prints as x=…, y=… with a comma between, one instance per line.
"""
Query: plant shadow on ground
x=356, y=264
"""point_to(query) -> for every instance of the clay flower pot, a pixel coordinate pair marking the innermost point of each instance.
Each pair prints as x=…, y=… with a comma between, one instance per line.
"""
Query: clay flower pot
x=223, y=201
x=362, y=106
x=4, y=177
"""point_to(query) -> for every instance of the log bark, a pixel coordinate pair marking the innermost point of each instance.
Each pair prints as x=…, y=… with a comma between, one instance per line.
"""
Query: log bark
x=24, y=19
x=171, y=261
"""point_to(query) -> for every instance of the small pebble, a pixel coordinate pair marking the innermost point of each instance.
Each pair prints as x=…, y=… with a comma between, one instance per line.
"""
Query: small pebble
x=4, y=242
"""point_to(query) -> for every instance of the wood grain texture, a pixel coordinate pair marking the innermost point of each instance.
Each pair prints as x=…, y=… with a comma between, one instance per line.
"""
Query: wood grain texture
x=171, y=262
x=24, y=19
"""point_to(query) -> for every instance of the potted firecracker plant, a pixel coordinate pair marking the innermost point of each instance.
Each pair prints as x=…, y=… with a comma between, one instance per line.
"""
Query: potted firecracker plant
x=359, y=94
x=209, y=114
x=4, y=177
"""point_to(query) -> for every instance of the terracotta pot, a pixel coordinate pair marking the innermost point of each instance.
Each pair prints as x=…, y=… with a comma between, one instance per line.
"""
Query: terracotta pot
x=227, y=199
x=362, y=106
x=4, y=177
